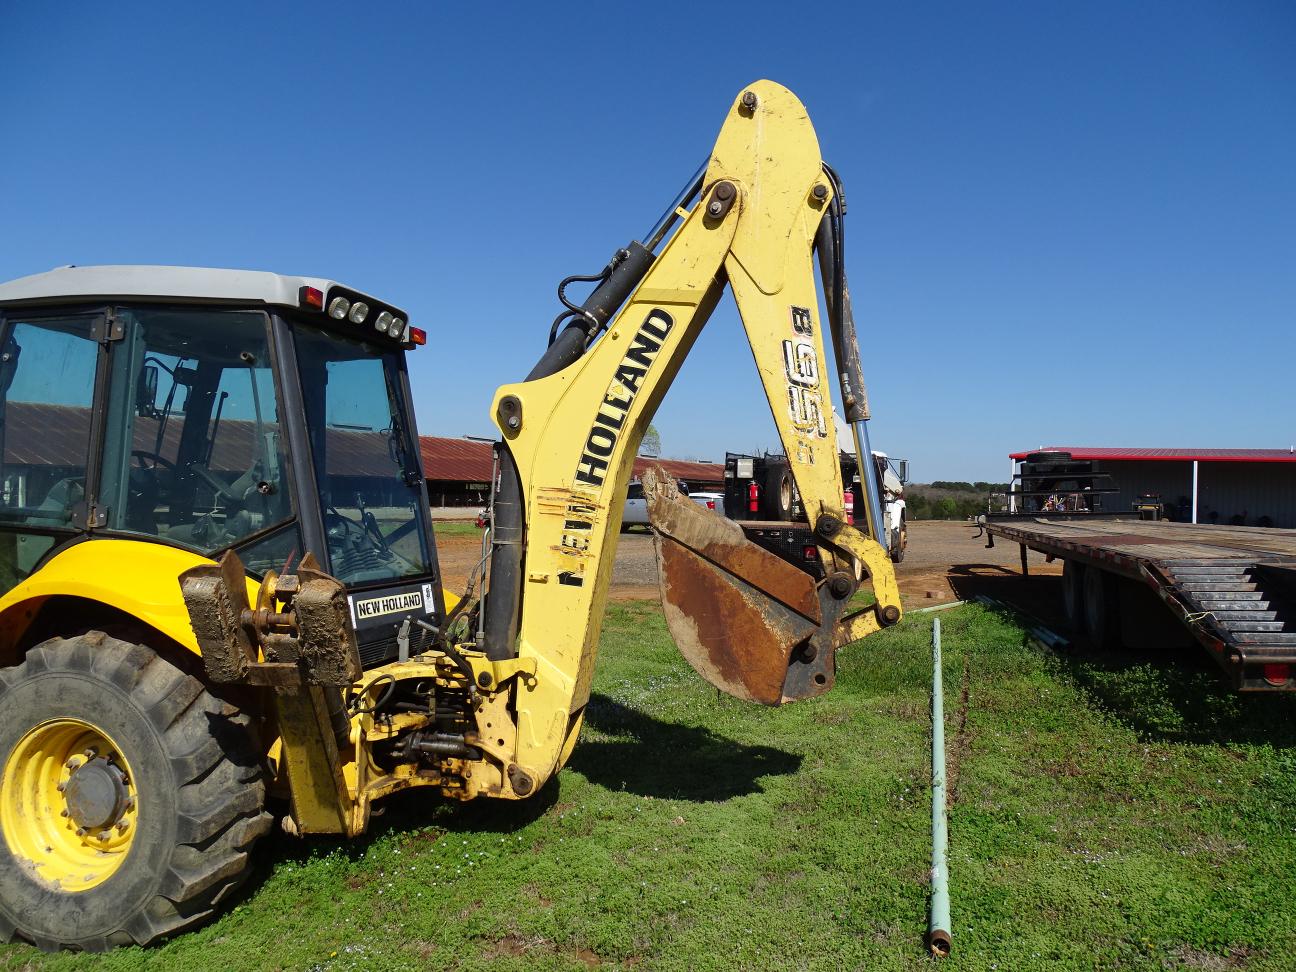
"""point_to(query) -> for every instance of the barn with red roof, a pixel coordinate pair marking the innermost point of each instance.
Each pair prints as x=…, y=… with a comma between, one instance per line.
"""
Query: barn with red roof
x=1239, y=487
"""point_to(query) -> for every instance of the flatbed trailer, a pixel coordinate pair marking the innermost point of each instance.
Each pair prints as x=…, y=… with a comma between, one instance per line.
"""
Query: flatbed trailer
x=1233, y=589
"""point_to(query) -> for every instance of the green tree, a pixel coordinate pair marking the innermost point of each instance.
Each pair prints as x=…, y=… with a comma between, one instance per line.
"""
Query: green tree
x=946, y=509
x=651, y=444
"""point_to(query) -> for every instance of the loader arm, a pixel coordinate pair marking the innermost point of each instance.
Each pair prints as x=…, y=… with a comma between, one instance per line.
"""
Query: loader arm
x=751, y=624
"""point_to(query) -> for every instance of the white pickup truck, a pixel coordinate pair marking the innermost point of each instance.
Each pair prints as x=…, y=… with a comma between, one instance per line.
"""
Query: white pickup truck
x=636, y=507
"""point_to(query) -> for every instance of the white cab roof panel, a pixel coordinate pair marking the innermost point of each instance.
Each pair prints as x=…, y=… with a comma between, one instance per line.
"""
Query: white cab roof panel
x=177, y=283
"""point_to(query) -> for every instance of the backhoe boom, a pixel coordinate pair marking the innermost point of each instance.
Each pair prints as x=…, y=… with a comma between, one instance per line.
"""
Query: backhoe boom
x=572, y=435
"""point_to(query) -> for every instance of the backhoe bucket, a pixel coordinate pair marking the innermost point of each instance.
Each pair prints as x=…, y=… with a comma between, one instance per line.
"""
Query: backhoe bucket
x=749, y=622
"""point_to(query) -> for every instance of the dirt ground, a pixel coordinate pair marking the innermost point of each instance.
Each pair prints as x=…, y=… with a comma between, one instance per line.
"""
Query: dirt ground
x=945, y=561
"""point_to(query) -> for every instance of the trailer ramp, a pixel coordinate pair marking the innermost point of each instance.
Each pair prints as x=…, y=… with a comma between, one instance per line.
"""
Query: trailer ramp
x=1234, y=588
x=1242, y=605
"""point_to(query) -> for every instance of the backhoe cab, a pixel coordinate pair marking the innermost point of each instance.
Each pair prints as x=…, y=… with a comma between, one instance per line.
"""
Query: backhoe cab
x=216, y=558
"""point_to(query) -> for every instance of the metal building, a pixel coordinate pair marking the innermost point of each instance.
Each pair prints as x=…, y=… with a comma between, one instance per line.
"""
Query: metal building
x=458, y=471
x=1239, y=487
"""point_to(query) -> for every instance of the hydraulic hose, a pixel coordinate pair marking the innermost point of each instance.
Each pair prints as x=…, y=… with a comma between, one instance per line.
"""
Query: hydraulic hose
x=503, y=597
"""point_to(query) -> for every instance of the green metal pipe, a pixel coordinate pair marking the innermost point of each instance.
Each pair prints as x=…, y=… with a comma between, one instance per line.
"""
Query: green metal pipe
x=938, y=927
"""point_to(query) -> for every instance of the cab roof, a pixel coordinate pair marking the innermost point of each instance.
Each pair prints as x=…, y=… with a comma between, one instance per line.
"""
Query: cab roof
x=163, y=283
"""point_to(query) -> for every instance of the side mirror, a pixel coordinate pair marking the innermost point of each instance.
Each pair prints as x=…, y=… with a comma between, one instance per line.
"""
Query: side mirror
x=902, y=470
x=146, y=392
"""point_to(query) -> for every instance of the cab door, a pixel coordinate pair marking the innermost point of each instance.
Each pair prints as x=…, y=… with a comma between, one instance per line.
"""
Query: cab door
x=51, y=367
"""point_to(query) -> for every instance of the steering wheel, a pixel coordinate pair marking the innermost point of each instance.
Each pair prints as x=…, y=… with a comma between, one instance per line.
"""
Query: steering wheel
x=154, y=458
x=221, y=489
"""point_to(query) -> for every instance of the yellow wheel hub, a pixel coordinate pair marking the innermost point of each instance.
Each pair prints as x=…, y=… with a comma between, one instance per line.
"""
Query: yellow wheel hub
x=68, y=804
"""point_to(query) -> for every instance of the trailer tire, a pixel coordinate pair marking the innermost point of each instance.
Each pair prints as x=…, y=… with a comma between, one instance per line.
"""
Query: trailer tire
x=1102, y=609
x=159, y=829
x=1073, y=574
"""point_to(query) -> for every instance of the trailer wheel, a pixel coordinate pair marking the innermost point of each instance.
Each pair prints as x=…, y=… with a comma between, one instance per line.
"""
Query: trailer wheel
x=1101, y=609
x=1073, y=594
x=129, y=796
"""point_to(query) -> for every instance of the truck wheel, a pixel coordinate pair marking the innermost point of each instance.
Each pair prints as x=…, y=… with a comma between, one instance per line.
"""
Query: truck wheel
x=902, y=541
x=129, y=796
x=1101, y=609
x=776, y=496
x=1073, y=595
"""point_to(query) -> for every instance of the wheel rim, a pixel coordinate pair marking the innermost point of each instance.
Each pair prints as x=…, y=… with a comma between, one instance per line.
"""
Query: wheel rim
x=68, y=804
x=785, y=493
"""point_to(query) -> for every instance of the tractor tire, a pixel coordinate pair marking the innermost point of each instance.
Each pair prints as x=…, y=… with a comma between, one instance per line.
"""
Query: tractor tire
x=1073, y=595
x=776, y=493
x=1102, y=609
x=130, y=797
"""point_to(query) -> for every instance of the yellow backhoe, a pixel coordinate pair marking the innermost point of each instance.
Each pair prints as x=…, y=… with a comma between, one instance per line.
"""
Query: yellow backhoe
x=216, y=557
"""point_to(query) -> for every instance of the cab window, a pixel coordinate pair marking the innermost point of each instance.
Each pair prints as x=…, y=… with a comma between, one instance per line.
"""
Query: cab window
x=47, y=379
x=193, y=452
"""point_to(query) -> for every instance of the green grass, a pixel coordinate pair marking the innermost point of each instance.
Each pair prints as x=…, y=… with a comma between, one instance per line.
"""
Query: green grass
x=456, y=528
x=1107, y=813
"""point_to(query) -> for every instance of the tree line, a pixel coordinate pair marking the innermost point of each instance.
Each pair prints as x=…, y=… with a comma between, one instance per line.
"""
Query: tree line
x=922, y=507
x=933, y=501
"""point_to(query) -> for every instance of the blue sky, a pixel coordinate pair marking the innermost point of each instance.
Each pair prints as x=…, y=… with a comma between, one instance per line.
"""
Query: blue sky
x=1069, y=223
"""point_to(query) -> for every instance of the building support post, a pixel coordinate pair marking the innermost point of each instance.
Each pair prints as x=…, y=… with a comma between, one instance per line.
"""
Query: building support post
x=1012, y=473
x=1194, y=492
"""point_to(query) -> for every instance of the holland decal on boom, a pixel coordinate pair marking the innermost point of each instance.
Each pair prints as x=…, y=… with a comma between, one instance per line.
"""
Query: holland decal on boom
x=610, y=418
x=601, y=442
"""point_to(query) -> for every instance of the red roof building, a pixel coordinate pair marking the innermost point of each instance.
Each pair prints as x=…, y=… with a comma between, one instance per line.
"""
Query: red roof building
x=1239, y=487
x=458, y=471
x=1170, y=455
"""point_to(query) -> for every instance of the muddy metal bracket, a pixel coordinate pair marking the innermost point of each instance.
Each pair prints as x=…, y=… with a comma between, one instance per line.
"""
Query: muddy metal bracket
x=300, y=625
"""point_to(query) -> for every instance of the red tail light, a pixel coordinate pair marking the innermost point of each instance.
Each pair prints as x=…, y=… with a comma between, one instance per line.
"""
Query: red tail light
x=311, y=297
x=710, y=504
x=418, y=336
x=810, y=551
x=753, y=498
x=1277, y=673
x=850, y=506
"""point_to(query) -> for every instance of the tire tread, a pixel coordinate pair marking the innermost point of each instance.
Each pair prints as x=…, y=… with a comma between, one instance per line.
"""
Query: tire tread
x=222, y=792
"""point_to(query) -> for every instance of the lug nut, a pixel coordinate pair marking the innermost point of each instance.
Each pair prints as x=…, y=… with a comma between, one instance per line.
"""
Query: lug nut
x=130, y=803
x=81, y=832
x=89, y=754
x=121, y=827
x=105, y=835
x=72, y=763
x=63, y=812
x=61, y=786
